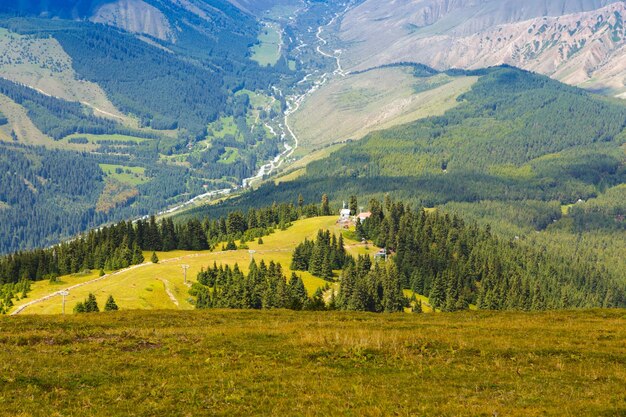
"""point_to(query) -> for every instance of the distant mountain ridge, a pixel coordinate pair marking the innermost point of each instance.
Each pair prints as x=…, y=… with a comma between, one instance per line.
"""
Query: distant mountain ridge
x=578, y=42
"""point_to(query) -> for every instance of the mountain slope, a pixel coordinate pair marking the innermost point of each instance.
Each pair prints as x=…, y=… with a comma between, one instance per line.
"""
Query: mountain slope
x=578, y=42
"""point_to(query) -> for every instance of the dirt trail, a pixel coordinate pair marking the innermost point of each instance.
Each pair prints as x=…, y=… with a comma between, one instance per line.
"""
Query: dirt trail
x=166, y=285
x=58, y=293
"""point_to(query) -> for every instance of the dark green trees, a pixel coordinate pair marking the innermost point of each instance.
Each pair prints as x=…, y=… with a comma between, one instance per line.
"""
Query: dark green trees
x=110, y=304
x=325, y=206
x=377, y=289
x=264, y=287
x=320, y=257
x=90, y=305
x=154, y=258
x=455, y=265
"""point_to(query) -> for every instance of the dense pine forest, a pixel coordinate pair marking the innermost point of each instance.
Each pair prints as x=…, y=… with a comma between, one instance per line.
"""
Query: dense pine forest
x=264, y=287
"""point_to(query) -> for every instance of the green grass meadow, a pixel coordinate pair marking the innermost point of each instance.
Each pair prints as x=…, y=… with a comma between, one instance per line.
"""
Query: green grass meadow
x=267, y=51
x=275, y=363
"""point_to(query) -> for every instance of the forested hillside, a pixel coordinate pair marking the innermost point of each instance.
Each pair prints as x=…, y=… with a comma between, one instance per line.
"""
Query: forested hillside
x=164, y=110
x=515, y=136
x=520, y=152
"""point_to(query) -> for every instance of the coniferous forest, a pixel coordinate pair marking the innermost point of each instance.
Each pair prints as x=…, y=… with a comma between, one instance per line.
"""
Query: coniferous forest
x=453, y=263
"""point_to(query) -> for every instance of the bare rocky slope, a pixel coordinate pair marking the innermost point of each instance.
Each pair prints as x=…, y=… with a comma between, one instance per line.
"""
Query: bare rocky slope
x=580, y=42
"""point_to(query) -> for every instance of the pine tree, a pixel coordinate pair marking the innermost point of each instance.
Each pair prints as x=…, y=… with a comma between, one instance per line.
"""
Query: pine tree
x=110, y=304
x=317, y=260
x=354, y=205
x=325, y=205
x=91, y=305
x=417, y=307
x=137, y=255
x=327, y=270
x=79, y=308
x=154, y=259
x=437, y=294
x=298, y=295
x=393, y=299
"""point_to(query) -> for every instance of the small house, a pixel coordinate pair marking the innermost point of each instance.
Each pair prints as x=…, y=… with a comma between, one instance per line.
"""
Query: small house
x=361, y=217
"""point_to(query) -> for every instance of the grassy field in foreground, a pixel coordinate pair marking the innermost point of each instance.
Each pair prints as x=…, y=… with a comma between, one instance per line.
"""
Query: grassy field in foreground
x=161, y=286
x=314, y=363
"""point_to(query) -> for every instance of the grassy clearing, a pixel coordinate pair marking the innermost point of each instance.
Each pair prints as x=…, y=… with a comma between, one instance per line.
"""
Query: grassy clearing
x=96, y=139
x=352, y=106
x=230, y=156
x=125, y=174
x=314, y=364
x=222, y=127
x=267, y=51
x=26, y=131
x=143, y=287
x=293, y=175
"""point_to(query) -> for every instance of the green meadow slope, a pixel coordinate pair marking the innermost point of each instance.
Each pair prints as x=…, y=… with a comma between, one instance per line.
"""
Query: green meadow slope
x=277, y=362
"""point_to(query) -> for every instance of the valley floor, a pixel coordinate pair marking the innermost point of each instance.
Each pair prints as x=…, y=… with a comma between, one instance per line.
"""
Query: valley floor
x=148, y=363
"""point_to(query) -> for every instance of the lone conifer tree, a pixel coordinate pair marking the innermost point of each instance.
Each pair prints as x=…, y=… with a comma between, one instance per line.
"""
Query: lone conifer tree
x=154, y=258
x=110, y=304
x=91, y=305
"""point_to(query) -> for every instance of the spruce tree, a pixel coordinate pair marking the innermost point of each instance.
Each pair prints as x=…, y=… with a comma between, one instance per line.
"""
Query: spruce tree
x=137, y=255
x=298, y=295
x=91, y=305
x=154, y=259
x=110, y=304
x=317, y=260
x=393, y=298
x=327, y=270
x=325, y=205
x=437, y=294
x=354, y=205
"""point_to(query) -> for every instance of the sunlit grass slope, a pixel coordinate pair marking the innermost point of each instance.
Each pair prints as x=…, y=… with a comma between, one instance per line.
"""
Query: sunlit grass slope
x=279, y=363
x=162, y=286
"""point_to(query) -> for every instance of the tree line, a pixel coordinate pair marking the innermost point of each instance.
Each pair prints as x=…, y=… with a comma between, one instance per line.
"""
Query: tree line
x=264, y=287
x=320, y=256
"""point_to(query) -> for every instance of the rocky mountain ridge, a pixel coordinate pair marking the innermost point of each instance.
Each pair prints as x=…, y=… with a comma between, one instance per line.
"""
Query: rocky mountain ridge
x=578, y=42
